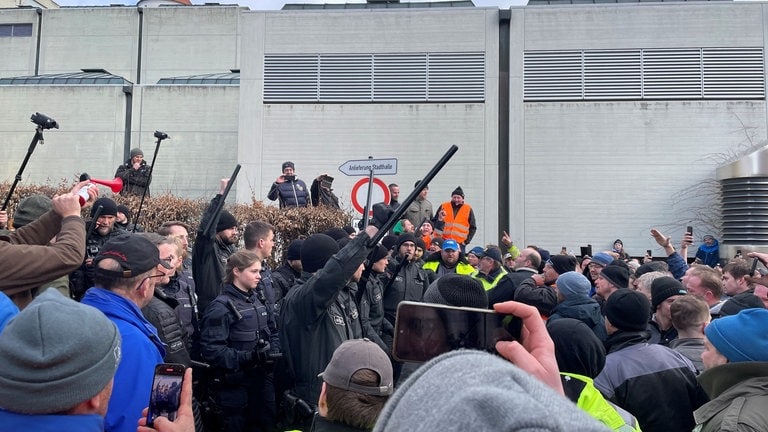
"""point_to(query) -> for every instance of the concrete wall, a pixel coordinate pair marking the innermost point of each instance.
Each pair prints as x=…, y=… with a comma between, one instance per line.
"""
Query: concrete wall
x=320, y=137
x=591, y=172
x=94, y=38
x=189, y=41
x=18, y=53
x=202, y=124
x=93, y=146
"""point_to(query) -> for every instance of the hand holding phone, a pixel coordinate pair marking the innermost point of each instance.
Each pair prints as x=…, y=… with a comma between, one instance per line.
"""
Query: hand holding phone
x=166, y=392
x=185, y=420
x=534, y=352
x=424, y=330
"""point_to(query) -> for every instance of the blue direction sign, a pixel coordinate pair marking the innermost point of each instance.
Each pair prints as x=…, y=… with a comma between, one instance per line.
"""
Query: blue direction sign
x=363, y=167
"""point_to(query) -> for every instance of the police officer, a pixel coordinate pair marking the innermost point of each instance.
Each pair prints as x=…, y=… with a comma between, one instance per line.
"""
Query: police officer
x=236, y=340
x=101, y=230
x=320, y=311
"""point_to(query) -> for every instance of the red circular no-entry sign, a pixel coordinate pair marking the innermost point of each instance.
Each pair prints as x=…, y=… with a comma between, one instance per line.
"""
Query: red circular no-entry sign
x=379, y=194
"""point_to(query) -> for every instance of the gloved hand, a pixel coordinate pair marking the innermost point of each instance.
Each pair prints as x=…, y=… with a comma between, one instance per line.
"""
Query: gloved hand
x=261, y=352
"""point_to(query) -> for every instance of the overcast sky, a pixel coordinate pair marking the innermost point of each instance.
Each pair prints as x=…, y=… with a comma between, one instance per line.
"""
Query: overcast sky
x=275, y=4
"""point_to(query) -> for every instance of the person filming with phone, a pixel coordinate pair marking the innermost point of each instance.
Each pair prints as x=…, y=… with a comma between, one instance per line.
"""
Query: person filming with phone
x=70, y=372
x=289, y=190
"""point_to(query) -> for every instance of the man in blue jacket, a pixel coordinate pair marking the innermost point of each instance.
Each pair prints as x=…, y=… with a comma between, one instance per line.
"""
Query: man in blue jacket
x=125, y=273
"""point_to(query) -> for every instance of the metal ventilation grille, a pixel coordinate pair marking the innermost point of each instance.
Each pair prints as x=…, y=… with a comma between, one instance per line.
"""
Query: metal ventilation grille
x=290, y=78
x=745, y=210
x=669, y=74
x=399, y=77
x=456, y=76
x=410, y=77
x=733, y=73
x=611, y=74
x=554, y=75
x=345, y=78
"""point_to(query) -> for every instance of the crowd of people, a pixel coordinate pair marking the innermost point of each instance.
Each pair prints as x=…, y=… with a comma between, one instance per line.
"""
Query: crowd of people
x=608, y=341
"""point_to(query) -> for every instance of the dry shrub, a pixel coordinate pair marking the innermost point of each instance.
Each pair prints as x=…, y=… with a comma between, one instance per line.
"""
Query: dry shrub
x=290, y=224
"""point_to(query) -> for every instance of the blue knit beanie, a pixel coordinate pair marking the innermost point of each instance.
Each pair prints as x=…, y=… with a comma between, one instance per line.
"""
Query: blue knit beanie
x=741, y=337
x=602, y=258
x=573, y=285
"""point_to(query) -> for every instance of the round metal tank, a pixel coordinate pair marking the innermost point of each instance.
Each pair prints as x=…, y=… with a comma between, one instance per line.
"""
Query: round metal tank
x=744, y=192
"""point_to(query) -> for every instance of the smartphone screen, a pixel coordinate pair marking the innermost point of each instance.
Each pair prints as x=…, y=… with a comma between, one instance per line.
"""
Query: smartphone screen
x=424, y=330
x=166, y=392
x=689, y=229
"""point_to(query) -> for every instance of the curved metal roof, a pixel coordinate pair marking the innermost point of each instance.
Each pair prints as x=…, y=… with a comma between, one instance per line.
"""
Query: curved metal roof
x=223, y=78
x=86, y=76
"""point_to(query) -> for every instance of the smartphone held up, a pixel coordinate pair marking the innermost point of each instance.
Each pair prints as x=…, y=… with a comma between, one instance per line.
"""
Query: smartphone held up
x=424, y=330
x=166, y=392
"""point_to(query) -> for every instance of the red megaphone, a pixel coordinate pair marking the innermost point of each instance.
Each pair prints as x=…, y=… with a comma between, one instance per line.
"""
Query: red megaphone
x=116, y=185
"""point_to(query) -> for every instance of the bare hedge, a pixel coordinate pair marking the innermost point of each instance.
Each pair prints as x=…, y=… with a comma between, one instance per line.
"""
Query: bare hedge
x=289, y=224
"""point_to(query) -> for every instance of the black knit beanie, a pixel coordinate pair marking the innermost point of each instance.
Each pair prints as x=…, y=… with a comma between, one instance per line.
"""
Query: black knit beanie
x=405, y=237
x=617, y=275
x=108, y=207
x=226, y=221
x=458, y=191
x=577, y=349
x=628, y=310
x=664, y=288
x=457, y=290
x=389, y=241
x=336, y=233
x=563, y=263
x=652, y=266
x=316, y=250
x=376, y=254
x=294, y=250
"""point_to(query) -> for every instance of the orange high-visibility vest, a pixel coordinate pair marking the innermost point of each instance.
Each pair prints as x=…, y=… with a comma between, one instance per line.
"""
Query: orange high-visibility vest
x=456, y=228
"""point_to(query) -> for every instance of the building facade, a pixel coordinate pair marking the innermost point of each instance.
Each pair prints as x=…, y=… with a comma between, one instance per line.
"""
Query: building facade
x=576, y=124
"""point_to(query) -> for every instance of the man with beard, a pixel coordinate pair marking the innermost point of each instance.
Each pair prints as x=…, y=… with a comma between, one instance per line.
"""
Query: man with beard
x=449, y=260
x=212, y=249
x=104, y=228
x=403, y=280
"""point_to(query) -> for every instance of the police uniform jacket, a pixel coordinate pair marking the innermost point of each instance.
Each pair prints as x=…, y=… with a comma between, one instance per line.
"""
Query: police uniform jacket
x=318, y=314
x=228, y=338
x=408, y=284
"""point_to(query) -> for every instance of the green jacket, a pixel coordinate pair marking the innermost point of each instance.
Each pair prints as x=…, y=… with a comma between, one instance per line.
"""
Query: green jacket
x=582, y=391
x=738, y=398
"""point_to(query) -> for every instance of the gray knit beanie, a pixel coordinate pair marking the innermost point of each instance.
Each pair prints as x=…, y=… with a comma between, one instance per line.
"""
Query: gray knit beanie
x=477, y=391
x=457, y=290
x=55, y=354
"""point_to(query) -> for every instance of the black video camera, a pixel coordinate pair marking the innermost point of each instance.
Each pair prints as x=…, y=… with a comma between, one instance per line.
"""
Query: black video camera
x=44, y=121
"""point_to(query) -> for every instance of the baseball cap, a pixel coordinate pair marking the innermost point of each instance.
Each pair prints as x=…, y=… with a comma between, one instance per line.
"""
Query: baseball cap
x=353, y=355
x=134, y=253
x=491, y=253
x=450, y=244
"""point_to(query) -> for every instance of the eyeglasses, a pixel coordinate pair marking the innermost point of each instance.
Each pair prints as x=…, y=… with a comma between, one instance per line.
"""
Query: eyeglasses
x=150, y=277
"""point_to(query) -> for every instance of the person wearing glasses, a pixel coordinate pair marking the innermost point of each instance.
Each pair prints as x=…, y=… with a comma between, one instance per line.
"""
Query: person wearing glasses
x=126, y=271
x=161, y=309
